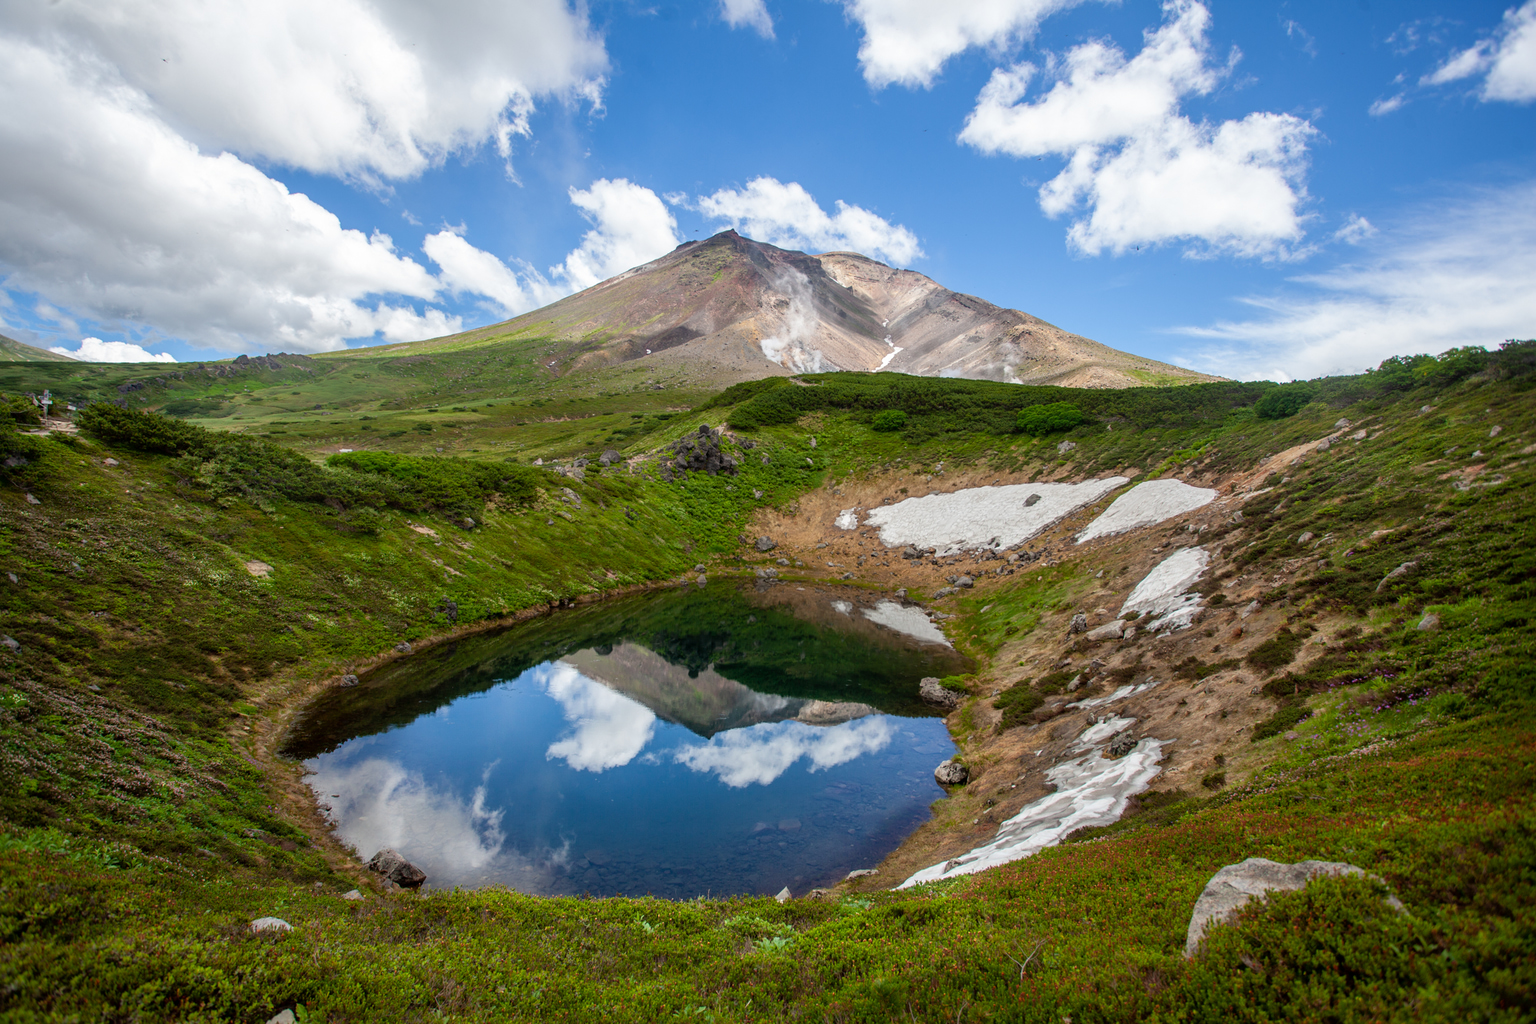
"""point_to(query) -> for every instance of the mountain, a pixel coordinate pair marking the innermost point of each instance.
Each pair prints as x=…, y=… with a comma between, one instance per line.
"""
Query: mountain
x=13, y=351
x=747, y=309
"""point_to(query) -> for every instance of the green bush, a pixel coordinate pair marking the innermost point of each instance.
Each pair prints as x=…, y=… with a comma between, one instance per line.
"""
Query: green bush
x=1016, y=703
x=1039, y=420
x=1285, y=400
x=142, y=431
x=18, y=410
x=889, y=420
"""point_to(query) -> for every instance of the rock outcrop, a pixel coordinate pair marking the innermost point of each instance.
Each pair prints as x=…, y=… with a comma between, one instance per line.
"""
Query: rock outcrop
x=1234, y=885
x=397, y=869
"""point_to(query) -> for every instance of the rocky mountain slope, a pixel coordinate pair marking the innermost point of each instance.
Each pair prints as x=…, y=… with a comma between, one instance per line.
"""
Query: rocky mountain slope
x=751, y=309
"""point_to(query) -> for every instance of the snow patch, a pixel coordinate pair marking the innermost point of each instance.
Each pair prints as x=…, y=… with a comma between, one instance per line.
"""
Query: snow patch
x=1147, y=505
x=1128, y=690
x=1090, y=791
x=847, y=519
x=983, y=517
x=1161, y=593
x=844, y=607
x=906, y=619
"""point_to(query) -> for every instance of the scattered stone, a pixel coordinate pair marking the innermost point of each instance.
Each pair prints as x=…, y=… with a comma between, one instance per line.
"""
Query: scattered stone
x=1358, y=435
x=699, y=567
x=964, y=582
x=1293, y=735
x=1031, y=501
x=784, y=895
x=469, y=524
x=943, y=592
x=1129, y=634
x=1253, y=606
x=951, y=773
x=1324, y=444
x=913, y=551
x=1121, y=746
x=13, y=577
x=109, y=462
x=1401, y=570
x=1308, y=535
x=935, y=692
x=860, y=873
x=353, y=895
x=397, y=869
x=1343, y=424
x=782, y=561
x=1065, y=447
x=766, y=574
x=765, y=544
x=403, y=647
x=270, y=924
x=1079, y=623
x=702, y=579
x=1430, y=621
x=1109, y=631
x=285, y=1017
x=1234, y=885
x=261, y=570
x=1496, y=431
x=901, y=594
x=609, y=457
x=11, y=643
x=31, y=500
x=348, y=680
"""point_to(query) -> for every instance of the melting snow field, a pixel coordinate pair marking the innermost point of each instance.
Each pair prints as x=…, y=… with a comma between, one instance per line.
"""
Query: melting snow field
x=1161, y=593
x=980, y=517
x=1090, y=791
x=1147, y=505
x=907, y=619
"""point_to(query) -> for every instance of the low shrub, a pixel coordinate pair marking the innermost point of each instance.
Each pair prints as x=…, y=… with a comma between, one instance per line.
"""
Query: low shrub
x=1039, y=420
x=1285, y=400
x=889, y=420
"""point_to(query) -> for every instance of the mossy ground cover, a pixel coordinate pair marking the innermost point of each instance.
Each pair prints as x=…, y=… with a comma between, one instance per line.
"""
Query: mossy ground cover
x=140, y=838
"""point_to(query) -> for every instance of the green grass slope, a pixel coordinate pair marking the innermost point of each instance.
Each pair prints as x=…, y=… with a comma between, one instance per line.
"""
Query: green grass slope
x=168, y=588
x=12, y=350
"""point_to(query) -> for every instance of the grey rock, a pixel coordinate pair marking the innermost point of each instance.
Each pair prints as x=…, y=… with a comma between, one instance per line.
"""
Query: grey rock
x=397, y=869
x=901, y=595
x=782, y=561
x=109, y=462
x=31, y=500
x=702, y=579
x=11, y=643
x=1079, y=623
x=935, y=692
x=353, y=895
x=912, y=551
x=699, y=567
x=1324, y=445
x=1358, y=435
x=1496, y=431
x=403, y=647
x=1129, y=634
x=1402, y=570
x=860, y=873
x=609, y=457
x=766, y=574
x=1032, y=500
x=1430, y=621
x=348, y=680
x=1308, y=535
x=784, y=895
x=1234, y=885
x=1342, y=424
x=1253, y=606
x=1109, y=631
x=270, y=924
x=951, y=774
x=1122, y=745
x=964, y=581
x=1065, y=447
x=765, y=544
x=469, y=524
x=285, y=1017
x=13, y=577
x=943, y=592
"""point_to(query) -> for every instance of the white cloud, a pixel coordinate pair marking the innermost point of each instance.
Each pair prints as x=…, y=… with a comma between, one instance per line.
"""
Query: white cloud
x=1506, y=59
x=761, y=753
x=789, y=217
x=129, y=131
x=1355, y=230
x=1455, y=274
x=751, y=14
x=94, y=350
x=1146, y=173
x=631, y=226
x=112, y=214
x=906, y=42
x=609, y=729
x=1383, y=107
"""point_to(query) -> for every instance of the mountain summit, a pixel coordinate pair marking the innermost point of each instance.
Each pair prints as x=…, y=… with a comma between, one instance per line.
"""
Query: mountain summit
x=748, y=310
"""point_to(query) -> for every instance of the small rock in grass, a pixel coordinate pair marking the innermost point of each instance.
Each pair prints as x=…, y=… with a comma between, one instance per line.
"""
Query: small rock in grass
x=286, y=1017
x=349, y=680
x=784, y=895
x=1430, y=621
x=964, y=581
x=901, y=595
x=31, y=500
x=1342, y=424
x=11, y=643
x=1234, y=885
x=1401, y=570
x=353, y=895
x=109, y=462
x=1495, y=432
x=951, y=773
x=1308, y=535
x=1109, y=631
x=397, y=869
x=860, y=873
x=403, y=647
x=270, y=924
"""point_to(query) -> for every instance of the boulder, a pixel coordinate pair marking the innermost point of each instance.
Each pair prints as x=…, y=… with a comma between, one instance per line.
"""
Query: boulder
x=784, y=895
x=1031, y=501
x=1079, y=623
x=935, y=692
x=1109, y=631
x=403, y=647
x=11, y=644
x=348, y=680
x=765, y=544
x=1402, y=570
x=951, y=773
x=1234, y=885
x=352, y=895
x=397, y=869
x=964, y=581
x=1122, y=745
x=285, y=1017
x=1429, y=621
x=912, y=551
x=943, y=592
x=270, y=924
x=860, y=873
x=609, y=457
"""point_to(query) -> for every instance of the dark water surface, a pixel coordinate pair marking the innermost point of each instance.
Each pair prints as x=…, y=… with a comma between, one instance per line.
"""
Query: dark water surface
x=720, y=739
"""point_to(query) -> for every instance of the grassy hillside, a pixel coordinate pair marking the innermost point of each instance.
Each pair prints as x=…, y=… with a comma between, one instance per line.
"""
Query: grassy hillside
x=12, y=350
x=174, y=594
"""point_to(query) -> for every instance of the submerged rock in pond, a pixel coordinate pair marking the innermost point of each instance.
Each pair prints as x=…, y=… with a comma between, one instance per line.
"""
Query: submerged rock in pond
x=397, y=869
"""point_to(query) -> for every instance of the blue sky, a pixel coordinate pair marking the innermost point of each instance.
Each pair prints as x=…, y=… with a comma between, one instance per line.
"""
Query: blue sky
x=1259, y=190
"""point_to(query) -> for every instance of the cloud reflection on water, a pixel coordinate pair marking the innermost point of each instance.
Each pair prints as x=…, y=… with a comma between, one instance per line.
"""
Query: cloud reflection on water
x=761, y=753
x=610, y=729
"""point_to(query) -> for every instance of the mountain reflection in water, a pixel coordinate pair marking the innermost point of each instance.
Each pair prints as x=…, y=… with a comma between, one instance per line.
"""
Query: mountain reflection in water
x=641, y=763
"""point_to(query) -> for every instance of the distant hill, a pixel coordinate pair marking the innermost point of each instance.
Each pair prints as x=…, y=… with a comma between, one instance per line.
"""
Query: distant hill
x=744, y=310
x=13, y=351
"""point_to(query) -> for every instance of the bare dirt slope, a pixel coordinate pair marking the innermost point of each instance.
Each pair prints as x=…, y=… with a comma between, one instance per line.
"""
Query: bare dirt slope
x=745, y=310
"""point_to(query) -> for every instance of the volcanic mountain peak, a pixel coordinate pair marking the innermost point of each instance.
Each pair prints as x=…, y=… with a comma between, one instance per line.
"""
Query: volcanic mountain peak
x=748, y=309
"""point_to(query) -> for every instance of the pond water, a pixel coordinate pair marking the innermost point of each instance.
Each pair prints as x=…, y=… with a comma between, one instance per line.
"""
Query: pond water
x=732, y=738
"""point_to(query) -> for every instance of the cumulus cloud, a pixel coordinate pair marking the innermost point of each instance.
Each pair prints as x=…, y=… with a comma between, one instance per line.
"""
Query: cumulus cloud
x=907, y=42
x=788, y=216
x=760, y=754
x=1146, y=173
x=631, y=226
x=751, y=14
x=1456, y=274
x=608, y=729
x=129, y=133
x=1505, y=60
x=94, y=350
